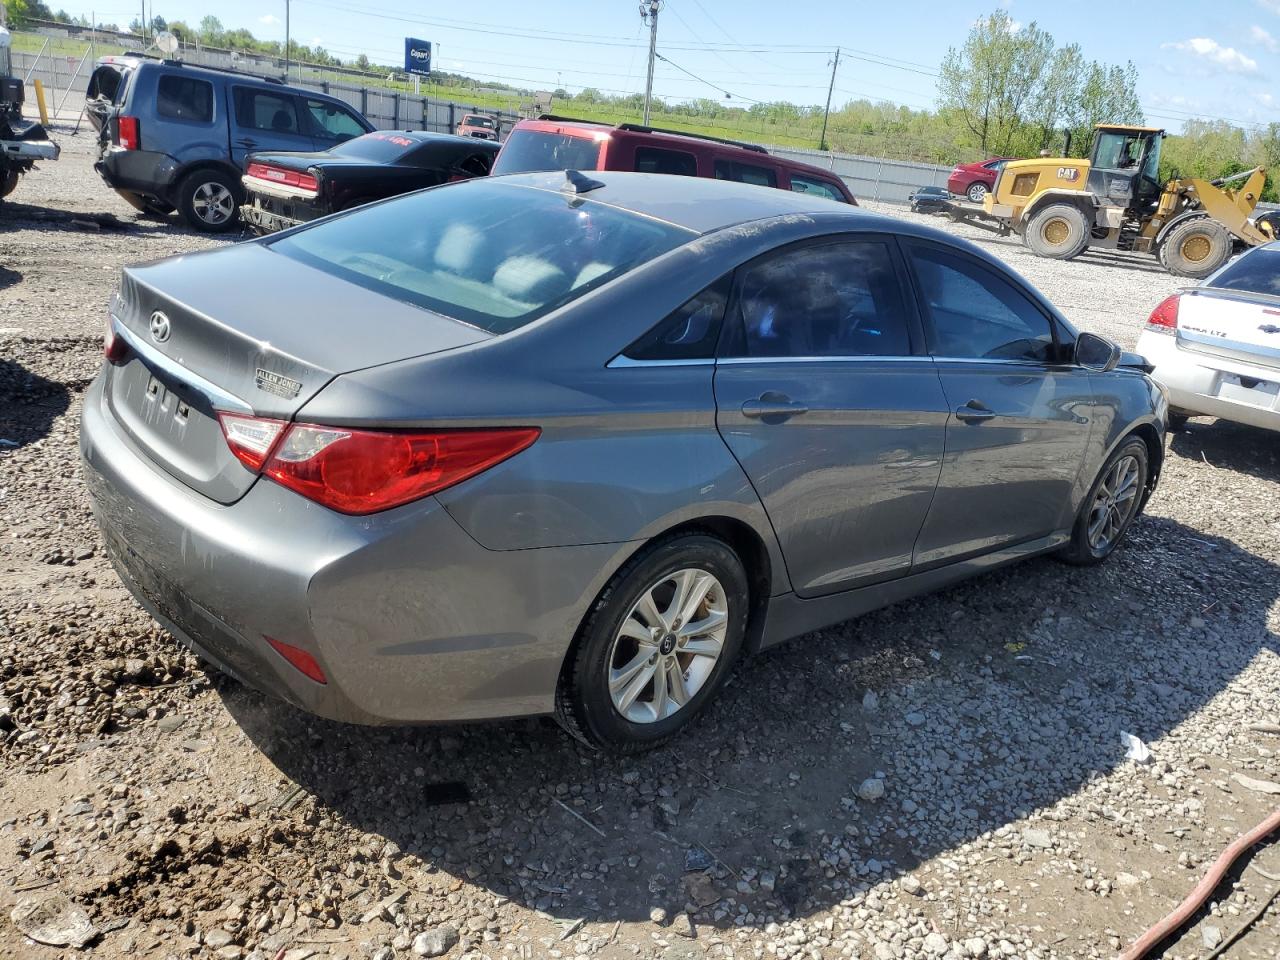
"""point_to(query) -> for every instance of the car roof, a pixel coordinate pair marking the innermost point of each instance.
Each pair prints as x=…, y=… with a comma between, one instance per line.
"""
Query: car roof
x=701, y=204
x=237, y=76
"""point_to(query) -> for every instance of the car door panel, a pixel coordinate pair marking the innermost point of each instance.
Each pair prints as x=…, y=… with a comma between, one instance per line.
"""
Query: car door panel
x=837, y=423
x=1020, y=417
x=263, y=119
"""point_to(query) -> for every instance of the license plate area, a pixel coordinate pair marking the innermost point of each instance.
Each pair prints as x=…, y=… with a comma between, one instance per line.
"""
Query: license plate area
x=1248, y=390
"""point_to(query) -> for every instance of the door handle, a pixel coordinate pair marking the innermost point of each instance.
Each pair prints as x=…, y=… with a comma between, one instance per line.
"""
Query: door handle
x=247, y=142
x=773, y=406
x=975, y=411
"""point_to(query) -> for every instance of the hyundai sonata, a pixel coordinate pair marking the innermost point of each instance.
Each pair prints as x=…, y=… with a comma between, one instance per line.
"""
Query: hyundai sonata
x=556, y=444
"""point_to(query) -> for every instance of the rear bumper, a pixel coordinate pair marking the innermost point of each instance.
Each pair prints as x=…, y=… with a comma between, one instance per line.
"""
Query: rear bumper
x=411, y=619
x=958, y=185
x=30, y=150
x=1202, y=384
x=144, y=172
x=265, y=221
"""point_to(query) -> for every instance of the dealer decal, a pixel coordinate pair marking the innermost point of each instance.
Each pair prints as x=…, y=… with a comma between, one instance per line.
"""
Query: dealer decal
x=275, y=383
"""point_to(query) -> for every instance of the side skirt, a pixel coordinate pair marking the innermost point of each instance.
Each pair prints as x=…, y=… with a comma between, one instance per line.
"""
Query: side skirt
x=790, y=616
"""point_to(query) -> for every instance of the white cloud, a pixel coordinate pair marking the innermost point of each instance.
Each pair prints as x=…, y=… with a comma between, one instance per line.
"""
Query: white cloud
x=269, y=19
x=317, y=41
x=1271, y=6
x=1263, y=38
x=1229, y=58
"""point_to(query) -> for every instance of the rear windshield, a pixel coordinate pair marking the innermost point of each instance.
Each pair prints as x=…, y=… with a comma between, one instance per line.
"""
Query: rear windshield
x=1256, y=272
x=529, y=151
x=381, y=147
x=493, y=255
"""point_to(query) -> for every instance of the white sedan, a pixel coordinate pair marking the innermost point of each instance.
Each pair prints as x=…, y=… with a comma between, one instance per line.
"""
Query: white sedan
x=1216, y=347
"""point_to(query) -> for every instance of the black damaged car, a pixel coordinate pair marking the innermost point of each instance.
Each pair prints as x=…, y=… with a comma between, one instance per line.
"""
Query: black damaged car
x=285, y=189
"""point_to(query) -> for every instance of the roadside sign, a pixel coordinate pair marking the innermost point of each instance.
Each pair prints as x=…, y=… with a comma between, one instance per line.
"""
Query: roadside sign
x=417, y=57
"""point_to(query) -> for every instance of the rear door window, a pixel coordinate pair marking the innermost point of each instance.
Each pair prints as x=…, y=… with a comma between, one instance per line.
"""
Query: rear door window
x=745, y=173
x=267, y=110
x=815, y=187
x=184, y=98
x=528, y=151
x=834, y=299
x=333, y=122
x=674, y=162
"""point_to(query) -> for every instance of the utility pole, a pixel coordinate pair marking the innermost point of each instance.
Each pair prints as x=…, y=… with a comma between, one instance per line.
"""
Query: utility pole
x=649, y=14
x=286, y=40
x=143, y=29
x=822, y=145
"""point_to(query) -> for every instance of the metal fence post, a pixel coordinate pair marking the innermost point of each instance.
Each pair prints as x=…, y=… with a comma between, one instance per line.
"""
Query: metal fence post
x=364, y=101
x=67, y=92
x=395, y=111
x=424, y=113
x=324, y=86
x=34, y=63
x=452, y=125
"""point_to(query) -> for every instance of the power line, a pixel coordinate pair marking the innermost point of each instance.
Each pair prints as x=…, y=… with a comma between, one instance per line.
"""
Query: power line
x=700, y=80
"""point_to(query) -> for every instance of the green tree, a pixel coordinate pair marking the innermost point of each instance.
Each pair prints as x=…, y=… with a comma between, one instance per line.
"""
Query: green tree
x=211, y=31
x=362, y=62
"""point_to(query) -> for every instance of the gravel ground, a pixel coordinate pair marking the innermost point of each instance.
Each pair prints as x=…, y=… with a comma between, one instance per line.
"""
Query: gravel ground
x=943, y=778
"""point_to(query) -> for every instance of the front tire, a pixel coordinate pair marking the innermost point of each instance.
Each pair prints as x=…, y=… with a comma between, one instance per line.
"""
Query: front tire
x=976, y=192
x=1196, y=248
x=209, y=201
x=1059, y=231
x=656, y=645
x=1111, y=506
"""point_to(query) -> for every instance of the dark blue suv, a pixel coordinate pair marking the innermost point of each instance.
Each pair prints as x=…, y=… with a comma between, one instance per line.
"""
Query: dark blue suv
x=175, y=136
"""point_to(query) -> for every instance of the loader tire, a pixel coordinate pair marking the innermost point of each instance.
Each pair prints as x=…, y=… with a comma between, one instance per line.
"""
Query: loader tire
x=1196, y=248
x=1059, y=231
x=8, y=182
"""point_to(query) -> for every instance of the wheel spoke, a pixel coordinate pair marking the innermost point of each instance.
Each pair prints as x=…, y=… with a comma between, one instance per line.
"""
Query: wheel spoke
x=698, y=586
x=633, y=629
x=660, y=692
x=708, y=646
x=639, y=680
x=676, y=690
x=713, y=622
x=1096, y=523
x=648, y=610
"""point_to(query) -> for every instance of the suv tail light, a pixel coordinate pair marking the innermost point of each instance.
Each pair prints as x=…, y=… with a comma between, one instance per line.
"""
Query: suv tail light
x=128, y=133
x=287, y=178
x=1164, y=318
x=365, y=471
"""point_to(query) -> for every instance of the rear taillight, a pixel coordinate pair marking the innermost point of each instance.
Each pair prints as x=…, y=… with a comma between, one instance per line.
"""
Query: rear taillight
x=250, y=438
x=1164, y=318
x=287, y=178
x=129, y=135
x=365, y=471
x=113, y=347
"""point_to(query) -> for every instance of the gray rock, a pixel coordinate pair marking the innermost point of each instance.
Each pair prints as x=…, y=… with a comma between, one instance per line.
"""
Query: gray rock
x=976, y=947
x=911, y=885
x=1037, y=838
x=1212, y=936
x=682, y=925
x=658, y=915
x=871, y=789
x=936, y=944
x=216, y=939
x=768, y=880
x=170, y=722
x=870, y=701
x=54, y=920
x=435, y=943
x=915, y=718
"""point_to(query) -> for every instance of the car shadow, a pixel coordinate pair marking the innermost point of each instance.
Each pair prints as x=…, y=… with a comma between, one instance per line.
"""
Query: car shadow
x=997, y=697
x=29, y=404
x=9, y=278
x=1229, y=446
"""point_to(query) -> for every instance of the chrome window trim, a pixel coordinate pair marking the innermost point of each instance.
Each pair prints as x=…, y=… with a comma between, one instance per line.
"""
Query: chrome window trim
x=622, y=361
x=736, y=361
x=218, y=398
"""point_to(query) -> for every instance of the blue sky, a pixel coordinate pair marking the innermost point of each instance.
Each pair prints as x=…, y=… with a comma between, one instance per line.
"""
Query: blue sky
x=1195, y=58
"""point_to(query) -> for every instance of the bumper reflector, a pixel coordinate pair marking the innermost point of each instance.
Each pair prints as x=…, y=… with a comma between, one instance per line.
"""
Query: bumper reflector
x=304, y=662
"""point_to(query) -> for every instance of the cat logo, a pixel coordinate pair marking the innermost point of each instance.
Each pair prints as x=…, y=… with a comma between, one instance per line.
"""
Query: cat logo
x=1070, y=174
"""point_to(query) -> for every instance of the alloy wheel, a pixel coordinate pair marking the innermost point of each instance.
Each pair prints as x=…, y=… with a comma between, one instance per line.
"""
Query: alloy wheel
x=213, y=203
x=1113, y=504
x=977, y=191
x=668, y=645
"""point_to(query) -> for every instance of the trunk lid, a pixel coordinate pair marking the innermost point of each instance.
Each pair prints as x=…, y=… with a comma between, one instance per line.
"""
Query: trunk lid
x=251, y=332
x=1235, y=325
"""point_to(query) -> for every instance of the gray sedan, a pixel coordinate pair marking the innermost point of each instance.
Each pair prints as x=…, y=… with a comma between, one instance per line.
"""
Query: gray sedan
x=554, y=444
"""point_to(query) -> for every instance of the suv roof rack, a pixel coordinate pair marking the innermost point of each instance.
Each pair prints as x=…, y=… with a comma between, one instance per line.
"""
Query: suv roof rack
x=239, y=73
x=641, y=128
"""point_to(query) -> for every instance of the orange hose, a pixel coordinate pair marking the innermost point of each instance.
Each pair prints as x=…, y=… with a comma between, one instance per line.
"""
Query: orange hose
x=1204, y=889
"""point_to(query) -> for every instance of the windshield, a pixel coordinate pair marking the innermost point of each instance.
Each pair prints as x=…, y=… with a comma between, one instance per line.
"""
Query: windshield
x=1255, y=272
x=1117, y=151
x=474, y=121
x=529, y=151
x=493, y=255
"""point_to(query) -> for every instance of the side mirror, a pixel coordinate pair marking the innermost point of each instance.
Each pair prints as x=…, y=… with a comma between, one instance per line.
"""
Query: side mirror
x=1097, y=353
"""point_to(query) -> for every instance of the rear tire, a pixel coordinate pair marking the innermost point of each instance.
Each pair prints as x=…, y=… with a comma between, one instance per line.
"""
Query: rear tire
x=209, y=201
x=1114, y=500
x=1177, y=421
x=1195, y=248
x=1059, y=231
x=976, y=192
x=9, y=182
x=617, y=688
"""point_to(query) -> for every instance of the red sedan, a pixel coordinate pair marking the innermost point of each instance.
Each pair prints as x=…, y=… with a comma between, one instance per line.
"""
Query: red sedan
x=975, y=180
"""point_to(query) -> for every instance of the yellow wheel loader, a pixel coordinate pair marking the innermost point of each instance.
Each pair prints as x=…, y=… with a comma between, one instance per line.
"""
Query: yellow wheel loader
x=1115, y=200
